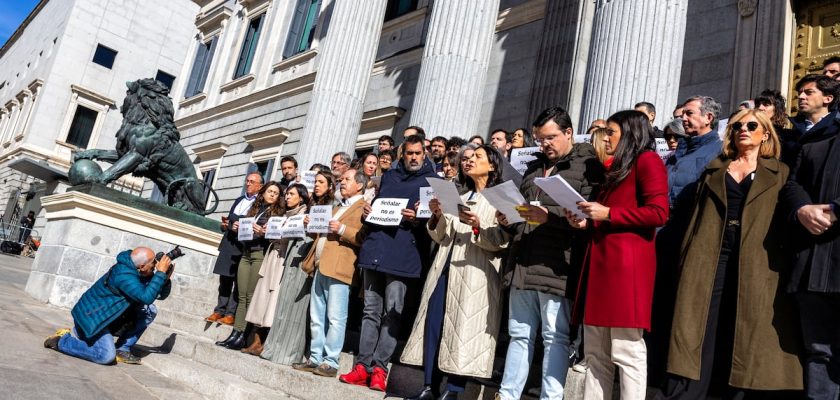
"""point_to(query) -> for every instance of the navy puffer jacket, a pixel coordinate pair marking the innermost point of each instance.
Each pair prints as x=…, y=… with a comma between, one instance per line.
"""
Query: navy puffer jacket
x=689, y=161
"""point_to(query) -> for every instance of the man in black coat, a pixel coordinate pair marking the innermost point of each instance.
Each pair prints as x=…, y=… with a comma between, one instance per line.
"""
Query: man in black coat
x=230, y=251
x=812, y=196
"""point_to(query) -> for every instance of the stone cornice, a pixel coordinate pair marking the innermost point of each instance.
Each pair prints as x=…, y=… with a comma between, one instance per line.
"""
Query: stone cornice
x=192, y=100
x=267, y=139
x=94, y=209
x=399, y=61
x=210, y=151
x=93, y=96
x=12, y=103
x=241, y=81
x=404, y=20
x=35, y=85
x=212, y=19
x=383, y=116
x=295, y=60
x=520, y=15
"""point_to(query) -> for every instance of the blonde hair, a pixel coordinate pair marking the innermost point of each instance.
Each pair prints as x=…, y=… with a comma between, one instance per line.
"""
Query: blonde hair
x=770, y=148
x=597, y=140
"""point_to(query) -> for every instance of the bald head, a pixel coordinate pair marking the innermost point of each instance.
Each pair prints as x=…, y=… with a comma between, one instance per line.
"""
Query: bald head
x=142, y=257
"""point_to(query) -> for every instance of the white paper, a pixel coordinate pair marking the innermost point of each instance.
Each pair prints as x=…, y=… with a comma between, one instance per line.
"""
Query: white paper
x=426, y=194
x=582, y=138
x=319, y=219
x=274, y=227
x=246, y=229
x=558, y=189
x=662, y=149
x=519, y=158
x=505, y=198
x=447, y=194
x=387, y=212
x=294, y=228
x=309, y=180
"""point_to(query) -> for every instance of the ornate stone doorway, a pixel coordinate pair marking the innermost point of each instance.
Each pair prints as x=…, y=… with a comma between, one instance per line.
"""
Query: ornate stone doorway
x=816, y=37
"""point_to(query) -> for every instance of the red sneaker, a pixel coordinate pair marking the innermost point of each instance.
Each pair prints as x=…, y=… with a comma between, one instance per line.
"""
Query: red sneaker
x=357, y=376
x=378, y=379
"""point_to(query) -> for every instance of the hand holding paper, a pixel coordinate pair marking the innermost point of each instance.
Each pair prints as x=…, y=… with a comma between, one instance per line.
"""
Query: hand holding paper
x=447, y=195
x=560, y=191
x=505, y=198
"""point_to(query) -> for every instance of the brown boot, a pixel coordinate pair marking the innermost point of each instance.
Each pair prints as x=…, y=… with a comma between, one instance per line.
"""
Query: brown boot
x=256, y=346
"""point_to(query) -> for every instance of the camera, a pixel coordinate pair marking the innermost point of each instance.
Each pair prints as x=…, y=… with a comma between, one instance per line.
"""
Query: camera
x=172, y=254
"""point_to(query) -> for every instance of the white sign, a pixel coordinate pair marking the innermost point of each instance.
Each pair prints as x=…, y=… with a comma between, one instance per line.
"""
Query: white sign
x=662, y=149
x=426, y=194
x=505, y=198
x=387, y=212
x=560, y=191
x=246, y=229
x=519, y=158
x=309, y=180
x=294, y=228
x=447, y=194
x=319, y=219
x=274, y=228
x=583, y=138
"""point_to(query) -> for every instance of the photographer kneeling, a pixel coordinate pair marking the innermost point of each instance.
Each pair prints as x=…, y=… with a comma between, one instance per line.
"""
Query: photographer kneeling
x=118, y=304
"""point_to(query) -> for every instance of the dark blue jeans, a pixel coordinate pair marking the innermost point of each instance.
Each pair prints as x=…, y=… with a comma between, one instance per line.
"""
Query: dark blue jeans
x=821, y=332
x=100, y=348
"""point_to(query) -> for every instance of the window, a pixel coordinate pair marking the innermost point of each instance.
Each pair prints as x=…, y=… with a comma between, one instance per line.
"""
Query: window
x=82, y=126
x=249, y=47
x=104, y=56
x=264, y=168
x=397, y=8
x=208, y=177
x=165, y=79
x=201, y=67
x=302, y=30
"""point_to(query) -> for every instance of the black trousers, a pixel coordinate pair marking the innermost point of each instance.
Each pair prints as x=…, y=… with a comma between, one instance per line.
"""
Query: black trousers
x=228, y=295
x=820, y=316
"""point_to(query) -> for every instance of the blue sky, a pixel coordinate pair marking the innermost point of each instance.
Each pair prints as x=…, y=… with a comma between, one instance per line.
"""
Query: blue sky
x=12, y=13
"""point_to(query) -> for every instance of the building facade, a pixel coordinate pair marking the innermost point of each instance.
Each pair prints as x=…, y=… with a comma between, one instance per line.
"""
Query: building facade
x=62, y=80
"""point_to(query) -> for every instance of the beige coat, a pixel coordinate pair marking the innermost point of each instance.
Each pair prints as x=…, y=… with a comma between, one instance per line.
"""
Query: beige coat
x=473, y=296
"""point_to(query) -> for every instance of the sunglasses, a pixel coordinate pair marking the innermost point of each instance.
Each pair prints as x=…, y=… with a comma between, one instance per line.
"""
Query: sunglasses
x=751, y=126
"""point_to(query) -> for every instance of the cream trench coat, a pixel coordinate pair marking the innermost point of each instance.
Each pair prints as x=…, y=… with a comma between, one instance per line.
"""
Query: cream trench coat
x=473, y=295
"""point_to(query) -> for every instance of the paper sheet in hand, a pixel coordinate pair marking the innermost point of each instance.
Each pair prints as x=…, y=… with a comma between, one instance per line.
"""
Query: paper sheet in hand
x=293, y=227
x=447, y=194
x=319, y=219
x=426, y=194
x=387, y=212
x=246, y=229
x=309, y=180
x=519, y=158
x=558, y=189
x=274, y=227
x=505, y=198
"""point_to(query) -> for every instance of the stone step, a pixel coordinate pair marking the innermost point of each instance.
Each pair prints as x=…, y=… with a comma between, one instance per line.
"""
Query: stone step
x=210, y=383
x=254, y=369
x=209, y=293
x=192, y=325
x=198, y=308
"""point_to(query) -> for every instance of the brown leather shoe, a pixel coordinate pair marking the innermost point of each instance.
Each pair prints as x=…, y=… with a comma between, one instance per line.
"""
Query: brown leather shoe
x=226, y=320
x=256, y=347
x=214, y=317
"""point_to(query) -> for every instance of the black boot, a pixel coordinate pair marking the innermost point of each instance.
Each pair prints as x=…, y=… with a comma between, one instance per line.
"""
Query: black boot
x=426, y=394
x=447, y=395
x=233, y=335
x=240, y=341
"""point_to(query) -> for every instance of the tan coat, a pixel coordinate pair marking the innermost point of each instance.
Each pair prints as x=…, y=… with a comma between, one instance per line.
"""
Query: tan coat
x=473, y=295
x=338, y=260
x=766, y=340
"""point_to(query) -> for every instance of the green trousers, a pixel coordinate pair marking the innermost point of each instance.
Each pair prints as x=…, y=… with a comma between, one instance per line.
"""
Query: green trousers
x=247, y=276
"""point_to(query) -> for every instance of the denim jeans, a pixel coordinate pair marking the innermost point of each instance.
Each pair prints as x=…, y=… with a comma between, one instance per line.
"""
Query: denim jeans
x=328, y=315
x=529, y=310
x=384, y=301
x=100, y=348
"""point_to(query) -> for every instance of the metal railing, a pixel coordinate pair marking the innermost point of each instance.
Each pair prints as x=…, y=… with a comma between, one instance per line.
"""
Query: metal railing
x=18, y=239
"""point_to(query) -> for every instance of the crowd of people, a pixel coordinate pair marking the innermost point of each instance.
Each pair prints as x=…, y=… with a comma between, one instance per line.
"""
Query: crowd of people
x=709, y=271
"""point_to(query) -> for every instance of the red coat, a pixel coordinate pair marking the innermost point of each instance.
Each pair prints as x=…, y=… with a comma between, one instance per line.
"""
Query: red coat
x=622, y=257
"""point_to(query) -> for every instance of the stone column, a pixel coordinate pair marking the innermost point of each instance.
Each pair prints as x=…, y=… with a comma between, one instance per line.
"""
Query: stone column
x=454, y=67
x=346, y=58
x=636, y=55
x=561, y=65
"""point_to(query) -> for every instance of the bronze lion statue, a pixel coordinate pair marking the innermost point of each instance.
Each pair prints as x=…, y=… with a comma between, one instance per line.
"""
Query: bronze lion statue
x=148, y=146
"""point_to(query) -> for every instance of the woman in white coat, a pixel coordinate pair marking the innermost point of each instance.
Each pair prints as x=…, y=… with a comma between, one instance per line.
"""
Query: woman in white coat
x=456, y=328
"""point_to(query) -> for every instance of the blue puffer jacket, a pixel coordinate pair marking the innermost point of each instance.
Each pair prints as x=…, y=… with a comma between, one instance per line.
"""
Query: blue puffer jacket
x=399, y=250
x=100, y=305
x=689, y=161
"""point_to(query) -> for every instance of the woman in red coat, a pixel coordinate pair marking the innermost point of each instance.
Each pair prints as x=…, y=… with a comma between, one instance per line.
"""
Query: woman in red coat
x=622, y=258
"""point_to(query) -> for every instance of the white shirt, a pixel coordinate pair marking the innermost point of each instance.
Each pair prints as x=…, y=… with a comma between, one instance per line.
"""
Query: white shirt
x=244, y=205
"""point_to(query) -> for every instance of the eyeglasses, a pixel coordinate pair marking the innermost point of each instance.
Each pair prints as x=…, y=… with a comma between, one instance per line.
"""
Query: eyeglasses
x=751, y=126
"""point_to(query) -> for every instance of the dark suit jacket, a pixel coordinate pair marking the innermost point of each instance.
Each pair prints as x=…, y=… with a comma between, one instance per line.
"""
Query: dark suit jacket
x=230, y=249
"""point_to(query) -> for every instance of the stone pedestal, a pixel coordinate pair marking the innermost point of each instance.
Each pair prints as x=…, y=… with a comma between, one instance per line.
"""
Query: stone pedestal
x=454, y=67
x=335, y=112
x=84, y=234
x=636, y=55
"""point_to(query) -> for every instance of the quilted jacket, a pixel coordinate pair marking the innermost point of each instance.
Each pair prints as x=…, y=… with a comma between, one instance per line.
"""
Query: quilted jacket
x=473, y=295
x=103, y=303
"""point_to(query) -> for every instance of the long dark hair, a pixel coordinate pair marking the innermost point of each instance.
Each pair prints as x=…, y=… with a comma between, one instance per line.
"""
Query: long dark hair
x=274, y=210
x=636, y=137
x=302, y=192
x=494, y=177
x=329, y=196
